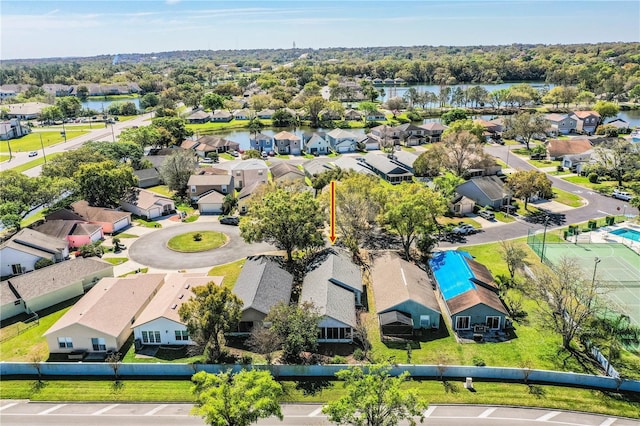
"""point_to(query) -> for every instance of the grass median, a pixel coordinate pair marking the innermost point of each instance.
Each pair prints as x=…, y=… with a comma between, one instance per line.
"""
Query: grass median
x=192, y=242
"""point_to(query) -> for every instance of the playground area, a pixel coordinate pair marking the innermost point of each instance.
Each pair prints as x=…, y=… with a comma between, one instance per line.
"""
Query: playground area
x=614, y=264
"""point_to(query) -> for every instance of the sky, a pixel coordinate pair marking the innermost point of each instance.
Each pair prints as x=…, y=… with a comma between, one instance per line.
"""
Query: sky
x=37, y=29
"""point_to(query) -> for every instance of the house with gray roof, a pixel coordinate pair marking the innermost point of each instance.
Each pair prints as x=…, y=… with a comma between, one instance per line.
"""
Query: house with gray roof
x=284, y=171
x=315, y=167
x=261, y=142
x=387, y=169
x=101, y=320
x=350, y=163
x=317, y=145
x=204, y=183
x=148, y=177
x=287, y=143
x=404, y=298
x=261, y=285
x=404, y=159
x=77, y=233
x=342, y=140
x=12, y=129
x=20, y=253
x=199, y=117
x=561, y=124
x=45, y=287
x=146, y=203
x=245, y=195
x=433, y=131
x=410, y=134
x=486, y=191
x=334, y=285
x=222, y=116
x=25, y=111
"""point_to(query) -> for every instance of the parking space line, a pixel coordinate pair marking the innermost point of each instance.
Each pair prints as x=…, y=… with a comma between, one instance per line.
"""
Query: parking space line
x=8, y=405
x=51, y=410
x=104, y=410
x=608, y=422
x=547, y=416
x=155, y=410
x=430, y=411
x=487, y=412
x=315, y=412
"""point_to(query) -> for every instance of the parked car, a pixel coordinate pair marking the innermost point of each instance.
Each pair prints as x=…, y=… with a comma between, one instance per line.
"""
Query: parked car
x=33, y=153
x=265, y=155
x=464, y=229
x=234, y=153
x=230, y=220
x=621, y=195
x=207, y=160
x=486, y=214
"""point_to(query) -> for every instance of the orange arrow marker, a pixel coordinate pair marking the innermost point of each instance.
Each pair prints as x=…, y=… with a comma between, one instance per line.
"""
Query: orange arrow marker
x=332, y=236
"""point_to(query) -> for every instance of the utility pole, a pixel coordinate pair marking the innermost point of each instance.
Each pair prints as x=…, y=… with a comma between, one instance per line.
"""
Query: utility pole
x=43, y=153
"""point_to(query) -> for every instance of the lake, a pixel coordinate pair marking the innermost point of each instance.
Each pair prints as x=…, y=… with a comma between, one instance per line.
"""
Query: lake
x=393, y=91
x=100, y=105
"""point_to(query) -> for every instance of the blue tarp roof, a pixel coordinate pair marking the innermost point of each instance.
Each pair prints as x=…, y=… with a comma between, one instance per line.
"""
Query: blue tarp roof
x=452, y=272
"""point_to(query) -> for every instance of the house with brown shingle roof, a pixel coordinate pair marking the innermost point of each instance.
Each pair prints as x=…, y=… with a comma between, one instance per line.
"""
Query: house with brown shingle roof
x=558, y=148
x=110, y=220
x=586, y=121
x=284, y=171
x=468, y=291
x=286, y=143
x=159, y=323
x=199, y=117
x=101, y=320
x=77, y=233
x=404, y=298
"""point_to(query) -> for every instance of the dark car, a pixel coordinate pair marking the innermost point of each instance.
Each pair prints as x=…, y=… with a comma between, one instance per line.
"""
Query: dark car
x=230, y=220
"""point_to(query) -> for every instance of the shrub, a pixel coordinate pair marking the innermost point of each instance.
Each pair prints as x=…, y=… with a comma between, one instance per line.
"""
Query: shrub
x=338, y=359
x=246, y=359
x=197, y=236
x=560, y=169
x=43, y=262
x=478, y=362
x=593, y=178
x=414, y=116
x=359, y=355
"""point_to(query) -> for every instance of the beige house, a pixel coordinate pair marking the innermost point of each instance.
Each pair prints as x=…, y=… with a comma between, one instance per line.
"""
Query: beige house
x=248, y=172
x=146, y=203
x=199, y=185
x=102, y=319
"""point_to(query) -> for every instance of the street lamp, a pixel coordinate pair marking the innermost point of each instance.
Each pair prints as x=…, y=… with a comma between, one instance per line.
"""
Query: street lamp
x=43, y=153
x=544, y=238
x=508, y=152
x=595, y=268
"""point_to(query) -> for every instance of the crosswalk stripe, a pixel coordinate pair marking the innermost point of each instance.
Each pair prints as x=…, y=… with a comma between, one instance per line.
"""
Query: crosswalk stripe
x=487, y=412
x=547, y=416
x=8, y=406
x=104, y=410
x=51, y=410
x=155, y=410
x=315, y=412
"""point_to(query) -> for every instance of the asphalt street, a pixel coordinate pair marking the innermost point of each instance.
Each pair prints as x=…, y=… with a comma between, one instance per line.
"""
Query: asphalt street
x=23, y=413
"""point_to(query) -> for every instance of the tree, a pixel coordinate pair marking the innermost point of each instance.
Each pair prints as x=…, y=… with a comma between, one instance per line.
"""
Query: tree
x=229, y=203
x=104, y=184
x=149, y=100
x=121, y=152
x=447, y=184
x=566, y=298
x=172, y=130
x=453, y=115
x=514, y=256
x=69, y=105
x=527, y=183
x=66, y=164
x=313, y=106
x=374, y=398
x=458, y=126
x=94, y=249
x=251, y=153
x=410, y=210
x=526, y=125
x=430, y=162
x=289, y=220
x=51, y=113
x=498, y=97
x=606, y=109
x=296, y=325
x=142, y=136
x=255, y=126
x=618, y=159
x=241, y=399
x=368, y=107
x=212, y=311
x=396, y=104
x=212, y=101
x=176, y=170
x=43, y=262
x=283, y=118
x=464, y=152
x=265, y=342
x=82, y=93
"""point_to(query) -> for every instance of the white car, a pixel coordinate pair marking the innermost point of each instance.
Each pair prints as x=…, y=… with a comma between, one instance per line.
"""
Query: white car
x=33, y=153
x=621, y=195
x=465, y=229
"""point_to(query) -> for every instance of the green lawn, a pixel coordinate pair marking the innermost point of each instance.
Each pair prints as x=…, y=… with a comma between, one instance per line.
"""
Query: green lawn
x=283, y=156
x=606, y=186
x=113, y=97
x=162, y=190
x=186, y=243
x=115, y=260
x=226, y=156
x=212, y=127
x=4, y=158
x=147, y=223
x=37, y=162
x=229, y=271
x=567, y=198
x=31, y=142
x=408, y=148
x=125, y=235
x=503, y=217
x=544, y=163
x=191, y=218
x=33, y=218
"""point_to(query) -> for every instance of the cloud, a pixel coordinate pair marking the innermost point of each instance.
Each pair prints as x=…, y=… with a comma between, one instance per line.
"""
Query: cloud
x=172, y=2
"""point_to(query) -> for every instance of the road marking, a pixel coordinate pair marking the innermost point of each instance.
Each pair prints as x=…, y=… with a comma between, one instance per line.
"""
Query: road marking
x=155, y=410
x=8, y=405
x=430, y=411
x=315, y=412
x=608, y=422
x=51, y=410
x=104, y=410
x=547, y=416
x=487, y=412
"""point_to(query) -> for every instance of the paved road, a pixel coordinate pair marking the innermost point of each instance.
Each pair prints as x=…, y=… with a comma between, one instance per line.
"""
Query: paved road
x=38, y=413
x=597, y=206
x=151, y=249
x=97, y=134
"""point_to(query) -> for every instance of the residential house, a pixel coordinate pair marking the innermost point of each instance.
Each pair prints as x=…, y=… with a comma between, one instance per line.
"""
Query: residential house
x=469, y=292
x=620, y=124
x=368, y=142
x=490, y=127
x=486, y=191
x=317, y=145
x=245, y=195
x=387, y=169
x=350, y=163
x=404, y=159
x=58, y=89
x=262, y=284
x=77, y=233
x=577, y=162
x=388, y=81
x=243, y=114
x=352, y=115
x=261, y=142
x=20, y=253
x=342, y=140
x=586, y=121
x=207, y=144
x=315, y=167
x=433, y=131
x=211, y=202
x=189, y=144
x=146, y=203
x=404, y=298
x=48, y=286
x=148, y=177
x=386, y=135
x=375, y=116
x=461, y=205
x=12, y=129
x=221, y=116
x=287, y=143
x=335, y=288
x=6, y=94
x=327, y=114
x=199, y=117
x=265, y=114
x=411, y=135
x=558, y=148
x=248, y=172
x=561, y=124
x=111, y=220
x=285, y=171
x=101, y=320
x=199, y=185
x=25, y=111
x=159, y=323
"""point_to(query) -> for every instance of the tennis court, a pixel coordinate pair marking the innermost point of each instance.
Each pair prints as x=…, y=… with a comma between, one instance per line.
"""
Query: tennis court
x=617, y=268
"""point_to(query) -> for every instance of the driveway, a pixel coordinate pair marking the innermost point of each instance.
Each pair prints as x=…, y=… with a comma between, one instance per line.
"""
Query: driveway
x=151, y=249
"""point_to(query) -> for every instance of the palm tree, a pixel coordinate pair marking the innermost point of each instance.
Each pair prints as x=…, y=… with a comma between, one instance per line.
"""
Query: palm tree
x=615, y=332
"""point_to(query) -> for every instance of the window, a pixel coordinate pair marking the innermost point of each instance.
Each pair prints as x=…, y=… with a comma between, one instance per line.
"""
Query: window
x=16, y=269
x=150, y=337
x=98, y=344
x=17, y=302
x=259, y=172
x=425, y=321
x=65, y=342
x=463, y=323
x=493, y=323
x=193, y=188
x=182, y=335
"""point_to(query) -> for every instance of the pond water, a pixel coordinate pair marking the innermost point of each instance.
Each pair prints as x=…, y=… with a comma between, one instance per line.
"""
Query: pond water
x=97, y=103
x=393, y=91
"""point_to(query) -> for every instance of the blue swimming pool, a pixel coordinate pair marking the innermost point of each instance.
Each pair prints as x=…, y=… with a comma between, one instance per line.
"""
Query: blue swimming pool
x=630, y=234
x=452, y=272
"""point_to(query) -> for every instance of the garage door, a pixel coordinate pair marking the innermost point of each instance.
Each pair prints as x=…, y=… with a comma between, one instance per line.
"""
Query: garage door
x=210, y=208
x=343, y=149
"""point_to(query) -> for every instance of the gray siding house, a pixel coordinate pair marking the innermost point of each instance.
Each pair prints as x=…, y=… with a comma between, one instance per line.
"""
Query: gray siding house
x=486, y=191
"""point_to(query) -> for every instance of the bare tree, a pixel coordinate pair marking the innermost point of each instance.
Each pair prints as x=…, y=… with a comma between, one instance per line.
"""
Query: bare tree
x=514, y=256
x=265, y=342
x=114, y=363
